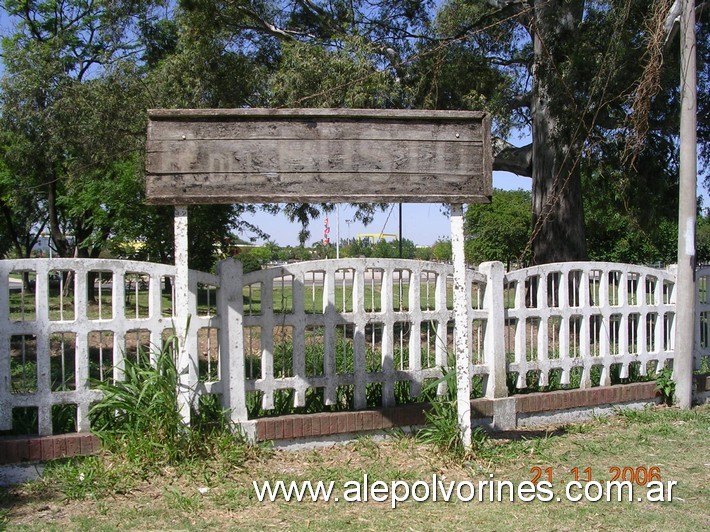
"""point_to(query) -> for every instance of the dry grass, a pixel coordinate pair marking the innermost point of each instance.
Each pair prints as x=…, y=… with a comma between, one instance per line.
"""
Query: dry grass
x=674, y=441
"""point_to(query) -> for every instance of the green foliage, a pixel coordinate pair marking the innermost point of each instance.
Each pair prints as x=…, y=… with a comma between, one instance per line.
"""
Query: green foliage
x=442, y=430
x=499, y=230
x=666, y=385
x=140, y=419
x=194, y=65
x=255, y=258
x=460, y=75
x=73, y=114
x=441, y=250
x=366, y=247
x=313, y=76
x=89, y=477
x=22, y=215
x=79, y=77
x=631, y=216
x=140, y=416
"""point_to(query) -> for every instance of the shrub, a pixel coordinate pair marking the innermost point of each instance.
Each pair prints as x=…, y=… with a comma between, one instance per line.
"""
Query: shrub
x=140, y=417
x=442, y=428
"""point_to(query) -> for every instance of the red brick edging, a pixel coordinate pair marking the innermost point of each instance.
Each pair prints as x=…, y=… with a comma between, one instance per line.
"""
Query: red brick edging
x=14, y=449
x=590, y=397
x=332, y=424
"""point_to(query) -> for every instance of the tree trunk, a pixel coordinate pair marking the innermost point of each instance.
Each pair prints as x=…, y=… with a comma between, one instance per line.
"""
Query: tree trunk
x=558, y=212
x=558, y=215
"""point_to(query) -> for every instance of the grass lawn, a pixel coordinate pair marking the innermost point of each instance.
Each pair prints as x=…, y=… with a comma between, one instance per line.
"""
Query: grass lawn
x=102, y=493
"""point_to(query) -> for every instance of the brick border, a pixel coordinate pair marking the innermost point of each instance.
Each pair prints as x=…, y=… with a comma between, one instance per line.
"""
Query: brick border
x=336, y=423
x=15, y=449
x=332, y=423
x=590, y=397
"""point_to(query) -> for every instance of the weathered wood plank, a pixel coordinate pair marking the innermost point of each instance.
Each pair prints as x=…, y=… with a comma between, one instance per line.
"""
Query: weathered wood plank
x=309, y=157
x=315, y=155
x=257, y=188
x=372, y=114
x=337, y=129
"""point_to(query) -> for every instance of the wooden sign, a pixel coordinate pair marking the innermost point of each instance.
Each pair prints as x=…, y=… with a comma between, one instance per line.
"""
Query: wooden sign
x=213, y=156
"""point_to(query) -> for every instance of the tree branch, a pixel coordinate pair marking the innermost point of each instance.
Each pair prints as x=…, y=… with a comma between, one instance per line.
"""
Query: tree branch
x=521, y=101
x=263, y=25
x=509, y=158
x=512, y=8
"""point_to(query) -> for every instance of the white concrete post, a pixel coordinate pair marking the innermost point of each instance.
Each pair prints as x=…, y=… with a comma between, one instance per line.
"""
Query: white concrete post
x=463, y=379
x=685, y=300
x=231, y=342
x=182, y=309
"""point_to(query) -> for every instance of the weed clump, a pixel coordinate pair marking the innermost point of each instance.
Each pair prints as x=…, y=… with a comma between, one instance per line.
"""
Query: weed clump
x=442, y=430
x=139, y=418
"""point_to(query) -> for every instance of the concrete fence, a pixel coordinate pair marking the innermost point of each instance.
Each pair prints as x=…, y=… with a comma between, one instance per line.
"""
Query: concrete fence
x=350, y=334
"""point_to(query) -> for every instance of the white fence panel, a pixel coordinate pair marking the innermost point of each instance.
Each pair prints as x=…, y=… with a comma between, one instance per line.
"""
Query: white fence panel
x=64, y=332
x=702, y=320
x=353, y=327
x=348, y=332
x=581, y=315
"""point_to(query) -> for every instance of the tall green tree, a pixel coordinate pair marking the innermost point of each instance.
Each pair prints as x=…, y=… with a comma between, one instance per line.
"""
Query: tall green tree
x=567, y=72
x=572, y=71
x=72, y=110
x=317, y=55
x=578, y=75
x=79, y=76
x=631, y=215
x=499, y=230
x=21, y=210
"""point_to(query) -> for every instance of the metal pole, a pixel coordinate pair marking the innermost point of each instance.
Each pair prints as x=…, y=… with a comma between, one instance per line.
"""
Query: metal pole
x=463, y=380
x=685, y=288
x=337, y=232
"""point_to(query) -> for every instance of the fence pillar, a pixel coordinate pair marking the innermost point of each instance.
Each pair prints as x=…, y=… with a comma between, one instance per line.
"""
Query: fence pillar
x=494, y=341
x=231, y=343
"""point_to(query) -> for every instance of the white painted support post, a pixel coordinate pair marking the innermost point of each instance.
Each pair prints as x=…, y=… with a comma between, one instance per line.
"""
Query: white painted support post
x=181, y=311
x=337, y=232
x=463, y=379
x=685, y=300
x=43, y=359
x=5, y=335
